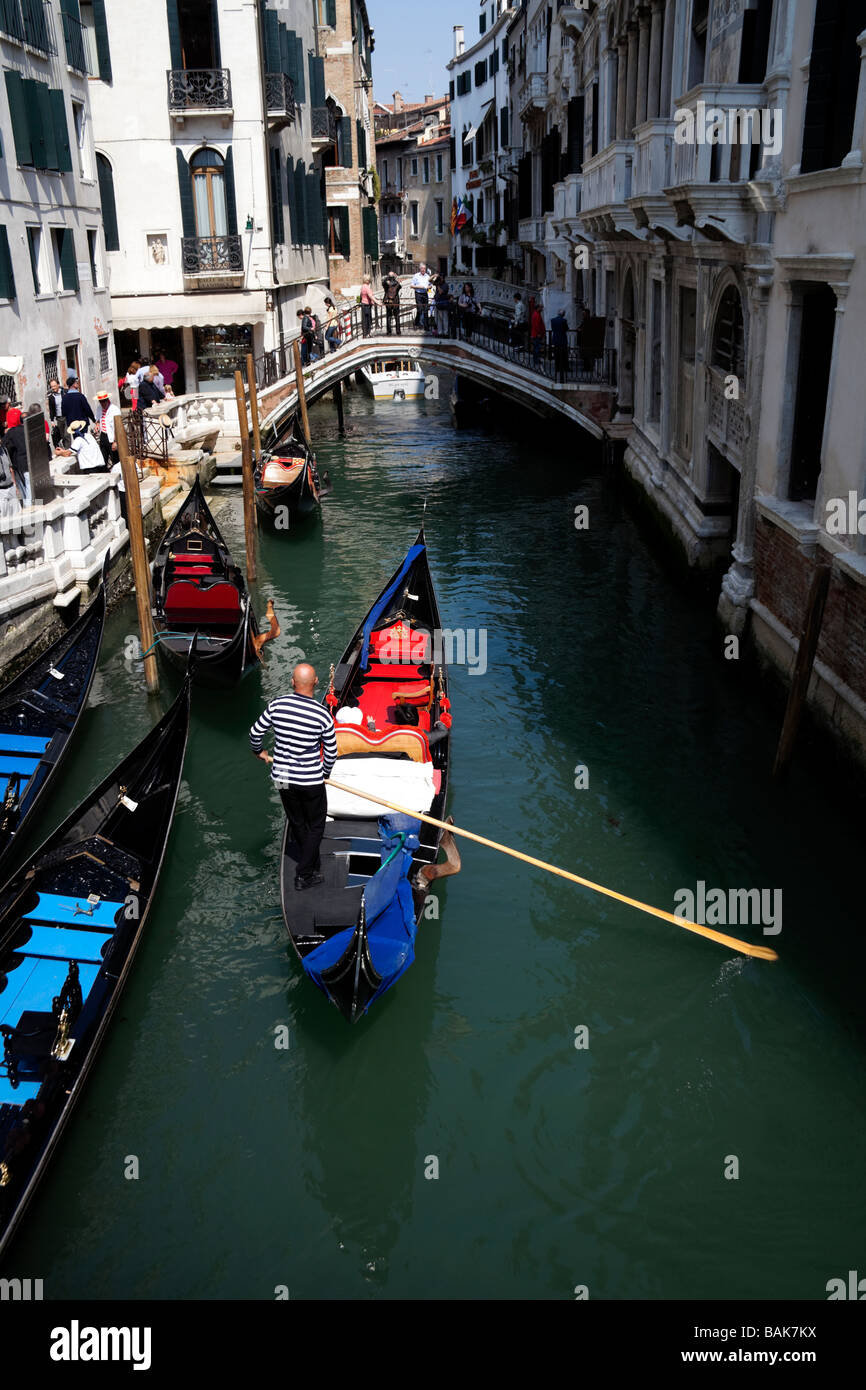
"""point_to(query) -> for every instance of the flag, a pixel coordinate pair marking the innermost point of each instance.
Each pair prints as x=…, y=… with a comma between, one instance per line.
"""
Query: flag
x=461, y=215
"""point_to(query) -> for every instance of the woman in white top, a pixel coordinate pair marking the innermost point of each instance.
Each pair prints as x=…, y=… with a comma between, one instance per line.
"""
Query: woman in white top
x=85, y=448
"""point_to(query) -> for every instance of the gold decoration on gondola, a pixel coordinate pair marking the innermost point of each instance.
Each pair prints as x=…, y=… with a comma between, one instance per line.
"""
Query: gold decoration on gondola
x=5, y=1175
x=331, y=698
x=62, y=1040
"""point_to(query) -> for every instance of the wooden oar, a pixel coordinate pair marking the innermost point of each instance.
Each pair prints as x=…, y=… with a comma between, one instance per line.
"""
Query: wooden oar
x=746, y=947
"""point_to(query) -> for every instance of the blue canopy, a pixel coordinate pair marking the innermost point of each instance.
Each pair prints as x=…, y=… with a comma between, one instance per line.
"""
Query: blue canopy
x=381, y=605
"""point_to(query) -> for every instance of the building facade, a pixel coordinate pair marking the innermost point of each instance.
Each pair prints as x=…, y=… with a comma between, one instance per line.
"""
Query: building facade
x=55, y=310
x=482, y=136
x=351, y=180
x=413, y=158
x=211, y=180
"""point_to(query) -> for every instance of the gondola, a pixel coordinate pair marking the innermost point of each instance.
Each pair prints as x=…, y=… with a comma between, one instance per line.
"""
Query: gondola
x=70, y=923
x=39, y=713
x=198, y=588
x=388, y=694
x=287, y=484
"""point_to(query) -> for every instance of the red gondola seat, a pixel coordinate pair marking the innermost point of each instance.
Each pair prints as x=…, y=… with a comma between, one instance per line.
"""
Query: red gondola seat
x=218, y=606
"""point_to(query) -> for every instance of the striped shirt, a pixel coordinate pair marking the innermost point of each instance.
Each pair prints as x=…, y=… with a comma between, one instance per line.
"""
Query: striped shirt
x=303, y=733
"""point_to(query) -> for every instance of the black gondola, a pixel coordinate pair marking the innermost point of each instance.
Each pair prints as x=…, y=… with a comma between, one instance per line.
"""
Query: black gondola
x=287, y=484
x=39, y=713
x=198, y=588
x=355, y=932
x=70, y=923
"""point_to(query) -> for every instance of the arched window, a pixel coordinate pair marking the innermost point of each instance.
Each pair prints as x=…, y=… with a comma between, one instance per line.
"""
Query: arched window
x=728, y=353
x=105, y=175
x=209, y=194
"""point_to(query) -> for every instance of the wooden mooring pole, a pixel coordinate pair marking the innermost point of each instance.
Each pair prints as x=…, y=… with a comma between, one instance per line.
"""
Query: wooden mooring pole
x=254, y=406
x=803, y=666
x=247, y=473
x=138, y=552
x=302, y=393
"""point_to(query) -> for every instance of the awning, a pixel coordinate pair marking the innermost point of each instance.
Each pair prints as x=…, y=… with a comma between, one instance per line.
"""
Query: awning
x=188, y=310
x=473, y=130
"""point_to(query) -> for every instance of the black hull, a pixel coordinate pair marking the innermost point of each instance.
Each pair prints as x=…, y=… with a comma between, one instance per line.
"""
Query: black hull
x=102, y=848
x=351, y=847
x=37, y=706
x=220, y=659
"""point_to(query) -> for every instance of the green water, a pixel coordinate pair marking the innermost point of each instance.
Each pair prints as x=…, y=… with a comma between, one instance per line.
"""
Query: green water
x=557, y=1166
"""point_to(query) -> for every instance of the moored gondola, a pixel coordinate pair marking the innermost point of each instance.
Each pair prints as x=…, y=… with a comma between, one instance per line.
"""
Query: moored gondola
x=39, y=713
x=70, y=923
x=198, y=588
x=287, y=483
x=355, y=932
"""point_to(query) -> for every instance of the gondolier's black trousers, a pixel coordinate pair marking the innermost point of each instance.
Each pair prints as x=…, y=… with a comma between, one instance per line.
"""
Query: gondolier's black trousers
x=306, y=809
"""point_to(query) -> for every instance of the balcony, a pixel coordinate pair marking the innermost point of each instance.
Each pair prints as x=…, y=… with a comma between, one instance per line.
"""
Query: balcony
x=212, y=263
x=76, y=44
x=200, y=92
x=532, y=95
x=573, y=19
x=651, y=174
x=709, y=178
x=606, y=186
x=323, y=127
x=392, y=192
x=280, y=97
x=531, y=231
x=29, y=22
x=566, y=198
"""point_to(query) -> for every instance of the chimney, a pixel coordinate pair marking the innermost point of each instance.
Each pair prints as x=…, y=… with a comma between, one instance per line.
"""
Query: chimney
x=398, y=102
x=429, y=97
x=458, y=40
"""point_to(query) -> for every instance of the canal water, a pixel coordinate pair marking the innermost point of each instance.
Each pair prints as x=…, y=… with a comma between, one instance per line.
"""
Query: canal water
x=313, y=1167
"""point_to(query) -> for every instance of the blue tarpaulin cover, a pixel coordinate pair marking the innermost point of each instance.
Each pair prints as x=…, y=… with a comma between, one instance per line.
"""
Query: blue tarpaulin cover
x=389, y=910
x=382, y=605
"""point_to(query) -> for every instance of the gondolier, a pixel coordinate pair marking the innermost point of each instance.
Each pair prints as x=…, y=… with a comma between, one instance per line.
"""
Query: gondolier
x=305, y=750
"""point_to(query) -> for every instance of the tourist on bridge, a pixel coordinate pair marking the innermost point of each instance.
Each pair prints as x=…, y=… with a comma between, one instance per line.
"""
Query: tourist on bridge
x=166, y=368
x=367, y=302
x=75, y=406
x=421, y=288
x=391, y=299
x=537, y=334
x=468, y=308
x=308, y=334
x=16, y=448
x=559, y=342
x=518, y=327
x=83, y=448
x=305, y=750
x=332, y=325
x=105, y=427
x=441, y=305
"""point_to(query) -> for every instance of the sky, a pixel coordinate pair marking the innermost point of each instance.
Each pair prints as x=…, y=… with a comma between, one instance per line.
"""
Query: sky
x=414, y=40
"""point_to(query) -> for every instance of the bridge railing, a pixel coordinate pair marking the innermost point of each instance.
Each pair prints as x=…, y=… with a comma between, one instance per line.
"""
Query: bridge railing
x=566, y=359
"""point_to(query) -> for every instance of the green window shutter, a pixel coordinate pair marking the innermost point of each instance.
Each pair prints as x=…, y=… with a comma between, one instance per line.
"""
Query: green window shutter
x=215, y=32
x=290, y=199
x=61, y=132
x=109, y=207
x=7, y=278
x=314, y=209
x=67, y=260
x=278, y=230
x=33, y=265
x=317, y=80
x=73, y=36
x=331, y=13
x=346, y=141
x=361, y=136
x=371, y=232
x=174, y=35
x=18, y=112
x=103, y=50
x=301, y=86
x=287, y=56
x=47, y=122
x=34, y=121
x=343, y=214
x=231, y=202
x=273, y=59
x=187, y=210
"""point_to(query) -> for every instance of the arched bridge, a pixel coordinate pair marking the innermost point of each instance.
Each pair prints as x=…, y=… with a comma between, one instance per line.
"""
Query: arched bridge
x=568, y=382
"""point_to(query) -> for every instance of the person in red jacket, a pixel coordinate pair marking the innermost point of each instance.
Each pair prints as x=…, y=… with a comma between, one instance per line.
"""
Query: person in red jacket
x=537, y=334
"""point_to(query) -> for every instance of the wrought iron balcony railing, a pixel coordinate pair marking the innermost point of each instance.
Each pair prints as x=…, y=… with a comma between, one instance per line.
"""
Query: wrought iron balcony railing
x=323, y=124
x=280, y=94
x=76, y=46
x=199, y=89
x=209, y=255
x=30, y=22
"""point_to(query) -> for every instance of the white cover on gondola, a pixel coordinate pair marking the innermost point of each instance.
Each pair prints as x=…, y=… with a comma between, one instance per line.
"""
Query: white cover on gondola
x=407, y=784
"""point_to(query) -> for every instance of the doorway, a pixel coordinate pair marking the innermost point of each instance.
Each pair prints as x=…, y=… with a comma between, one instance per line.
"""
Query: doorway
x=817, y=330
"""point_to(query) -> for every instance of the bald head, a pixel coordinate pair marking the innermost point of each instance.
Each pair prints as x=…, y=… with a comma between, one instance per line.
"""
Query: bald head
x=304, y=678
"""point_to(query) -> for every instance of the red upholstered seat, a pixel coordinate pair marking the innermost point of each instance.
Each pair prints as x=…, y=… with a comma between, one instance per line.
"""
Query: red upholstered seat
x=192, y=557
x=196, y=569
x=218, y=606
x=400, y=642
x=389, y=670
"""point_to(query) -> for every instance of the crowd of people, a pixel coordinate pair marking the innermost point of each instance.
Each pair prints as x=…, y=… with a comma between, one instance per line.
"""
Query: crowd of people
x=82, y=438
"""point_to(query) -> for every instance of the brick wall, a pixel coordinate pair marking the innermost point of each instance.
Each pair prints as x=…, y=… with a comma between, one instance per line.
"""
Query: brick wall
x=782, y=579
